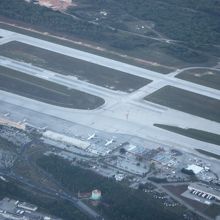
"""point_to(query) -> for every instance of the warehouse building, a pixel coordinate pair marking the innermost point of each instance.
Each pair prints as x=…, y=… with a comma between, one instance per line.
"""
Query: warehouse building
x=66, y=139
x=27, y=206
x=196, y=169
x=139, y=151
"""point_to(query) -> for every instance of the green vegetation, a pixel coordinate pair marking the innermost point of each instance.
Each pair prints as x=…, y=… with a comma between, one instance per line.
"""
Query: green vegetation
x=184, y=53
x=59, y=208
x=158, y=180
x=49, y=19
x=66, y=65
x=213, y=211
x=195, y=22
x=6, y=145
x=189, y=102
x=46, y=91
x=193, y=133
x=209, y=154
x=118, y=201
x=206, y=77
x=191, y=21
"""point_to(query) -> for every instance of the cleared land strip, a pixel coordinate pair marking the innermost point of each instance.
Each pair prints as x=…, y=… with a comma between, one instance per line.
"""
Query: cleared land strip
x=185, y=101
x=85, y=46
x=45, y=91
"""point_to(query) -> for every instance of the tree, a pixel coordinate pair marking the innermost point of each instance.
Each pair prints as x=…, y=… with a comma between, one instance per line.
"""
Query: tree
x=122, y=151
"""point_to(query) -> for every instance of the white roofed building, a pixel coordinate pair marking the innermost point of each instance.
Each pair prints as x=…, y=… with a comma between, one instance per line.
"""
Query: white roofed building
x=195, y=168
x=66, y=139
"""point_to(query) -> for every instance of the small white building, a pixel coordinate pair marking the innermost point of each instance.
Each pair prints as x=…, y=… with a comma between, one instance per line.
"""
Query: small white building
x=27, y=206
x=96, y=194
x=196, y=169
x=119, y=177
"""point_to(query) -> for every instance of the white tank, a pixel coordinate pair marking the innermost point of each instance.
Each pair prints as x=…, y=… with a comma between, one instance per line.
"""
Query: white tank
x=96, y=194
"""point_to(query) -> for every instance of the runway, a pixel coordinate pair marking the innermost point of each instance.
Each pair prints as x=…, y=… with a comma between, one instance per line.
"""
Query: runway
x=106, y=62
x=122, y=113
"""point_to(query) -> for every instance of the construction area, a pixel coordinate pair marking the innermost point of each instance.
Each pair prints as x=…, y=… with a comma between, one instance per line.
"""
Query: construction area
x=59, y=5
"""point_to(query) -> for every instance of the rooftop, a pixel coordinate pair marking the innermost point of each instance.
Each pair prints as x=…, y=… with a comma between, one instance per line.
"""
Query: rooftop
x=196, y=169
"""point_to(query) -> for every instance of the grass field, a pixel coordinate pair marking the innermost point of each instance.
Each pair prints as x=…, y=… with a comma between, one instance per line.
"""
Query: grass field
x=186, y=101
x=193, y=133
x=205, y=77
x=213, y=210
x=92, y=73
x=45, y=91
x=209, y=154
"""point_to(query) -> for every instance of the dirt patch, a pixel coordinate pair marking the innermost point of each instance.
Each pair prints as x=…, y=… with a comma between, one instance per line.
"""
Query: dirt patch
x=205, y=77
